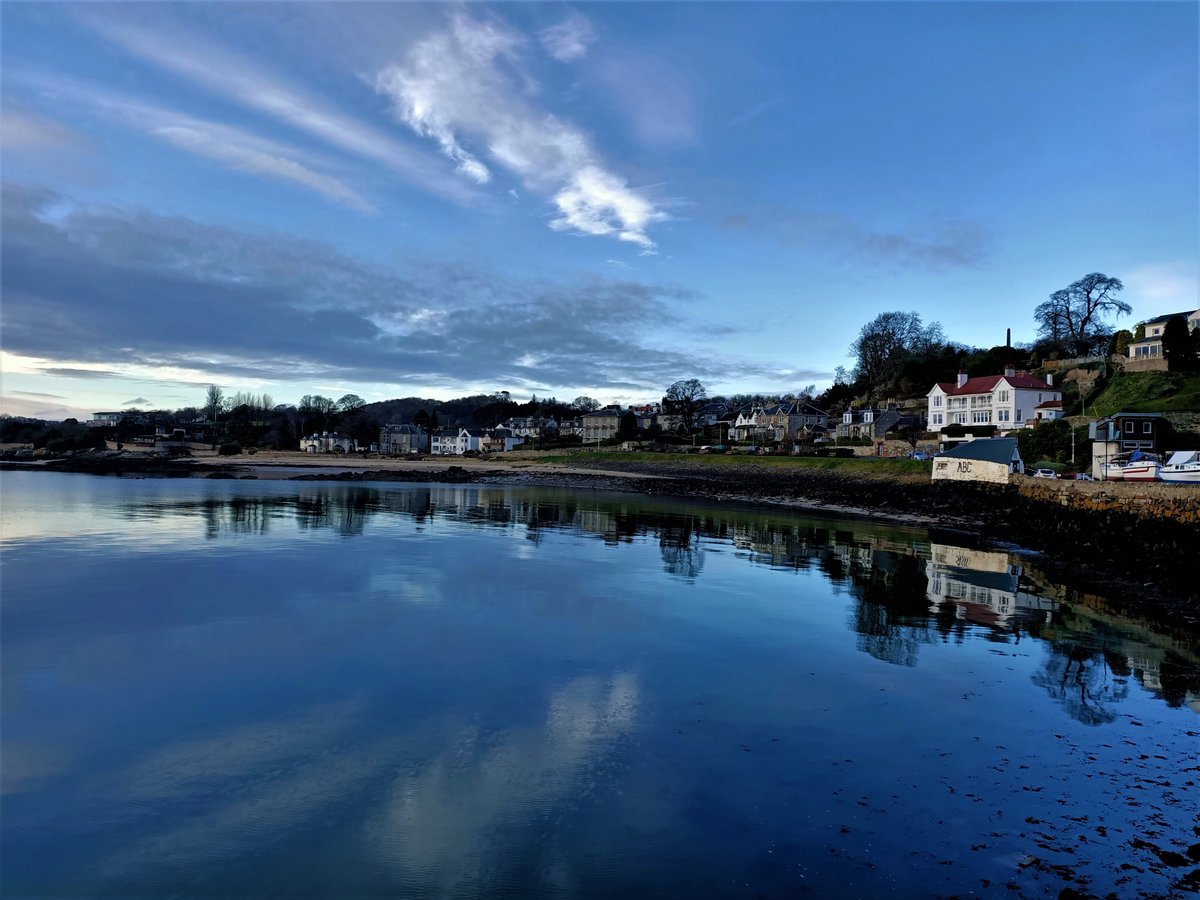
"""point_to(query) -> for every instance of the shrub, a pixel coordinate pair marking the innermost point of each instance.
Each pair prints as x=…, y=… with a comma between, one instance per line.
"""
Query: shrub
x=231, y=449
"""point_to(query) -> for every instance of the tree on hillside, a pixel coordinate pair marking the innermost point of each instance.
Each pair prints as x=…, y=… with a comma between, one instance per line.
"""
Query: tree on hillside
x=887, y=341
x=585, y=404
x=683, y=400
x=350, y=402
x=1075, y=315
x=315, y=413
x=1177, y=345
x=1119, y=346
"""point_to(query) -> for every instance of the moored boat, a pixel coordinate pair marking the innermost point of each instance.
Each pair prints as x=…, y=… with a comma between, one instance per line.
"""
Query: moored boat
x=1182, y=468
x=1142, y=467
x=1114, y=469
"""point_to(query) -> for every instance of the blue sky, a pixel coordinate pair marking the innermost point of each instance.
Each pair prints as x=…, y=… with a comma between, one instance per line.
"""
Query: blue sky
x=407, y=199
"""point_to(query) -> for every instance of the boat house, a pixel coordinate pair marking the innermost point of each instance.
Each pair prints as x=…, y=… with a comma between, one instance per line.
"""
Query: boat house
x=990, y=460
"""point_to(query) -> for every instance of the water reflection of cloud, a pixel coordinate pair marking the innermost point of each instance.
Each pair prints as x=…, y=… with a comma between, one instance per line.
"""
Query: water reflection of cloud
x=197, y=766
x=270, y=812
x=27, y=766
x=465, y=816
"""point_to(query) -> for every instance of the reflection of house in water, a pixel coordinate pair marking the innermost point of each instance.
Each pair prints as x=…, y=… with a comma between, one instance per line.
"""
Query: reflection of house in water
x=983, y=586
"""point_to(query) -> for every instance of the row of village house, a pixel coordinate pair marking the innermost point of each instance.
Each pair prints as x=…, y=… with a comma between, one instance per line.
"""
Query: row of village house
x=1007, y=401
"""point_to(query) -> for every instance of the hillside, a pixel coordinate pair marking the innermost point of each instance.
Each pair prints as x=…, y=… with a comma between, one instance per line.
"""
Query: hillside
x=1148, y=392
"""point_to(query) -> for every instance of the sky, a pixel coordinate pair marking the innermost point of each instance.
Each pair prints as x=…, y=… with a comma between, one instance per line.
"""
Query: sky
x=405, y=199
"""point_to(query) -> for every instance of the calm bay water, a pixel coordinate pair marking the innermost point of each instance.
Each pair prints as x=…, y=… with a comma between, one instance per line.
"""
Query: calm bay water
x=216, y=688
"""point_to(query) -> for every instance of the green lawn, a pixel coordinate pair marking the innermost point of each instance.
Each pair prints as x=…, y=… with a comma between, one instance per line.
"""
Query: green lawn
x=1148, y=392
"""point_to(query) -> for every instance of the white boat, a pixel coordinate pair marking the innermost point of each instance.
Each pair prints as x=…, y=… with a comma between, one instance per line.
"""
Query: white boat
x=1142, y=467
x=1113, y=470
x=1182, y=468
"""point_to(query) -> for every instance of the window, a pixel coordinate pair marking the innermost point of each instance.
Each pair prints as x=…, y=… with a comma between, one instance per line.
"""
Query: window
x=1019, y=417
x=981, y=417
x=1129, y=428
x=1147, y=428
x=1002, y=415
x=937, y=400
x=1004, y=396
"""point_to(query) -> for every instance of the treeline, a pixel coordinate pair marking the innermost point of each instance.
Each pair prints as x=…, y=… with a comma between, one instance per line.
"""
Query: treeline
x=255, y=420
x=57, y=437
x=897, y=355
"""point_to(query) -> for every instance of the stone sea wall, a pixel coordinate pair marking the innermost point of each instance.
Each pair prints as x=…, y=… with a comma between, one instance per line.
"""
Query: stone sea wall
x=1139, y=499
x=1136, y=539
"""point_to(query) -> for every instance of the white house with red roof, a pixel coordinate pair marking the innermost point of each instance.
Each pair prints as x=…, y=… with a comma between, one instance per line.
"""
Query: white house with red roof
x=1006, y=401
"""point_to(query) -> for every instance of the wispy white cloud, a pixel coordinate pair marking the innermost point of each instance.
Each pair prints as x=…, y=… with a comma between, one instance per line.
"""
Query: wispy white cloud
x=569, y=39
x=457, y=85
x=219, y=145
x=236, y=79
x=753, y=112
x=231, y=147
x=1165, y=287
x=24, y=131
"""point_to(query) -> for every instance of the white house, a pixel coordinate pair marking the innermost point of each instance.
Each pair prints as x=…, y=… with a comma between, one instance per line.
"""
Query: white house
x=470, y=439
x=1004, y=401
x=328, y=442
x=1151, y=345
x=444, y=442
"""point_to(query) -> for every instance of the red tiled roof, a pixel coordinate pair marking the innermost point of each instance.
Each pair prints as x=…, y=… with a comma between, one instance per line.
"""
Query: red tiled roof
x=1050, y=404
x=984, y=384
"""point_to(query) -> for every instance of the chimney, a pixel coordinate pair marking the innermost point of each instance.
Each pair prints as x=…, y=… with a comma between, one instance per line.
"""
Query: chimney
x=962, y=377
x=1009, y=371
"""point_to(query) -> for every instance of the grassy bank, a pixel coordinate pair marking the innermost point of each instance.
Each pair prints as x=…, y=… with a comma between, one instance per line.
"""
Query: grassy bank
x=716, y=462
x=1148, y=392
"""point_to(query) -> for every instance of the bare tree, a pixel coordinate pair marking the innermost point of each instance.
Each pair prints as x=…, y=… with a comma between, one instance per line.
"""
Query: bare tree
x=350, y=402
x=214, y=402
x=888, y=340
x=683, y=400
x=1075, y=315
x=585, y=404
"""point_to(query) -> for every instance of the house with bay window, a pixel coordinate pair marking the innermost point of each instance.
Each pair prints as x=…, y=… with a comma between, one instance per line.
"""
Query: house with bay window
x=1007, y=401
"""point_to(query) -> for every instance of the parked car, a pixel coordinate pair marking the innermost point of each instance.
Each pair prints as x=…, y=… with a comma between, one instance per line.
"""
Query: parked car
x=1044, y=473
x=918, y=454
x=1083, y=476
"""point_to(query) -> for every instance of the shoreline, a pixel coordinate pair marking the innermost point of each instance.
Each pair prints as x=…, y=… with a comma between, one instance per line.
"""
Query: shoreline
x=1142, y=559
